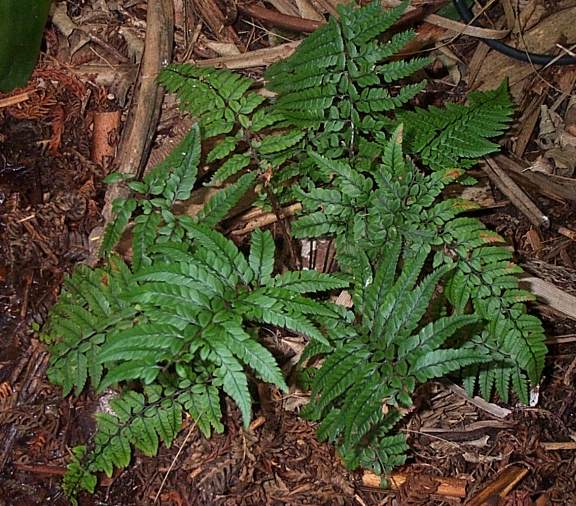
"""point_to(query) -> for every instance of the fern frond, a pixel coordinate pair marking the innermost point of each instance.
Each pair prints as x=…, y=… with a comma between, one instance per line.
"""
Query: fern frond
x=402, y=288
x=148, y=342
x=122, y=209
x=191, y=274
x=353, y=184
x=168, y=295
x=439, y=363
x=435, y=334
x=374, y=293
x=202, y=402
x=175, y=176
x=338, y=373
x=224, y=248
x=230, y=167
x=363, y=408
x=307, y=281
x=445, y=137
x=144, y=235
x=211, y=95
x=134, y=420
x=231, y=373
x=252, y=353
x=218, y=207
x=410, y=307
x=364, y=25
x=261, y=257
x=297, y=303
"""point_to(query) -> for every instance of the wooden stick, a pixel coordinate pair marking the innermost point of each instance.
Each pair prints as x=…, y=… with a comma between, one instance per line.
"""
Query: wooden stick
x=550, y=294
x=489, y=407
x=104, y=135
x=259, y=220
x=41, y=469
x=447, y=487
x=280, y=20
x=499, y=487
x=14, y=99
x=516, y=195
x=547, y=184
x=567, y=232
x=145, y=108
x=559, y=445
x=257, y=58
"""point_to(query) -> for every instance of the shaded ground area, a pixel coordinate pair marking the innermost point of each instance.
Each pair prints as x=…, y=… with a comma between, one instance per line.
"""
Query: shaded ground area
x=51, y=197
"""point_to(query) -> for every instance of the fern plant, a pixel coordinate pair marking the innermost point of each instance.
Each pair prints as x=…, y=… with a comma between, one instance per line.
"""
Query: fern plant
x=365, y=209
x=365, y=384
x=182, y=320
x=434, y=291
x=248, y=133
x=335, y=94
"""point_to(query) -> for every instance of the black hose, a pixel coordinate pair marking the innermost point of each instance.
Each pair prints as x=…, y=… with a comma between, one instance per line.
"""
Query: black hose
x=535, y=58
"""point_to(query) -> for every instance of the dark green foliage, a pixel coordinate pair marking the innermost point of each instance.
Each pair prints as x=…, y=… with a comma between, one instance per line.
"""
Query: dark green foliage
x=365, y=210
x=434, y=291
x=183, y=319
x=226, y=108
x=336, y=95
x=457, y=135
x=131, y=420
x=368, y=377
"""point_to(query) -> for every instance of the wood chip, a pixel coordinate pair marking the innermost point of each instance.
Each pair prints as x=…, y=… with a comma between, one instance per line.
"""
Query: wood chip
x=551, y=295
x=555, y=446
x=257, y=58
x=105, y=137
x=499, y=487
x=448, y=487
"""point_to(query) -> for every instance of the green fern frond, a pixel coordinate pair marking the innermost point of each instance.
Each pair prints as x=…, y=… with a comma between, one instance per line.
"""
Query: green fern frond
x=251, y=352
x=218, y=207
x=261, y=257
x=211, y=95
x=363, y=409
x=222, y=247
x=280, y=317
x=448, y=137
x=189, y=273
x=175, y=176
x=134, y=420
x=307, y=281
x=439, y=363
x=202, y=402
x=232, y=166
x=339, y=372
x=123, y=209
x=144, y=235
x=231, y=373
x=435, y=334
x=364, y=25
x=144, y=342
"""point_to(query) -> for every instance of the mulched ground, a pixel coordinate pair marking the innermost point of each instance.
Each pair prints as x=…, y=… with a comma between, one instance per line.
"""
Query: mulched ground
x=51, y=197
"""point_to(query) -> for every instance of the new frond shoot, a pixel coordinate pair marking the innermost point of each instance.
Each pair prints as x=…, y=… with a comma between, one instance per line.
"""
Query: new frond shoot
x=174, y=323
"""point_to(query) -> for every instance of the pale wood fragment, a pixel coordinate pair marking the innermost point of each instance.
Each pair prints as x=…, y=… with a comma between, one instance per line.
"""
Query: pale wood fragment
x=499, y=487
x=447, y=487
x=551, y=295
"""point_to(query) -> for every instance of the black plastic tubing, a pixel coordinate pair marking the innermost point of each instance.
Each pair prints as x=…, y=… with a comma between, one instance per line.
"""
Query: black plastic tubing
x=535, y=58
